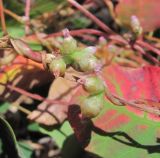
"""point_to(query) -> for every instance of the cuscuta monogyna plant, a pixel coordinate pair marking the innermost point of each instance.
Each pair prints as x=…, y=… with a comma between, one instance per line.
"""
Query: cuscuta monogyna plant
x=92, y=81
x=85, y=61
x=81, y=59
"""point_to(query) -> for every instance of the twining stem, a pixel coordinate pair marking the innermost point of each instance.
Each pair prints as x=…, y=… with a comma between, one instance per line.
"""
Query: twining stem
x=148, y=46
x=3, y=23
x=141, y=51
x=13, y=15
x=111, y=97
x=27, y=15
x=110, y=6
x=122, y=102
x=24, y=110
x=33, y=96
x=92, y=17
x=151, y=38
x=113, y=35
x=138, y=104
x=77, y=33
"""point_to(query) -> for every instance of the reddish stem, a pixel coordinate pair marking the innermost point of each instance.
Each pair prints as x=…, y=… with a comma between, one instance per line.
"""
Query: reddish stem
x=27, y=14
x=138, y=104
x=108, y=30
x=123, y=102
x=3, y=23
x=92, y=17
x=141, y=51
x=77, y=33
x=148, y=46
x=34, y=96
x=118, y=39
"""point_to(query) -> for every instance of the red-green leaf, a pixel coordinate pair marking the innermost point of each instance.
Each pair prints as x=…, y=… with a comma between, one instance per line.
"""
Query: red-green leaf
x=120, y=132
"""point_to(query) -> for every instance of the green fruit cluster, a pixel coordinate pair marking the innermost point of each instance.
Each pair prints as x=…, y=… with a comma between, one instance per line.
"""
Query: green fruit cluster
x=68, y=46
x=92, y=105
x=70, y=54
x=82, y=60
x=58, y=64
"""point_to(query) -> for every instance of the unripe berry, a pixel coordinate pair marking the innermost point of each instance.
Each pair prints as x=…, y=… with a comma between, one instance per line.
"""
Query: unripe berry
x=136, y=26
x=94, y=85
x=92, y=105
x=89, y=50
x=68, y=46
x=88, y=63
x=85, y=61
x=58, y=66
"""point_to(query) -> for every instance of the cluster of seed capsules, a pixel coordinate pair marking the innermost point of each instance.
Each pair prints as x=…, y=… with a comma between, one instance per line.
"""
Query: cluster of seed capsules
x=81, y=59
x=84, y=60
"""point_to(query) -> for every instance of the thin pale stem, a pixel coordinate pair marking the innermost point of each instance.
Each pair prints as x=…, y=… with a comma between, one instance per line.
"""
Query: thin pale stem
x=110, y=6
x=13, y=15
x=24, y=110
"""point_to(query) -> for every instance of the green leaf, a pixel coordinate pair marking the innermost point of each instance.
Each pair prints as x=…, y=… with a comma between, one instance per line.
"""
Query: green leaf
x=42, y=6
x=125, y=135
x=15, y=30
x=15, y=6
x=4, y=107
x=59, y=134
x=26, y=149
x=35, y=46
x=124, y=131
x=80, y=22
x=34, y=127
x=9, y=140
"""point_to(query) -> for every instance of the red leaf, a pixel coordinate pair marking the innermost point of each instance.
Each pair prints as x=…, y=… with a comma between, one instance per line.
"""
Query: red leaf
x=22, y=73
x=130, y=83
x=135, y=84
x=116, y=129
x=140, y=83
x=145, y=10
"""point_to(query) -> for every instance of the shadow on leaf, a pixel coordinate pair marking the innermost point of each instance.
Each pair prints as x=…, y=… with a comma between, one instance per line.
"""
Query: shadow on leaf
x=129, y=140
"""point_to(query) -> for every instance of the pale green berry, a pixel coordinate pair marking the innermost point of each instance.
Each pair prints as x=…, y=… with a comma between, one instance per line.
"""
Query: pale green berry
x=68, y=46
x=136, y=26
x=58, y=66
x=94, y=85
x=84, y=59
x=88, y=63
x=82, y=53
x=92, y=105
x=89, y=50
